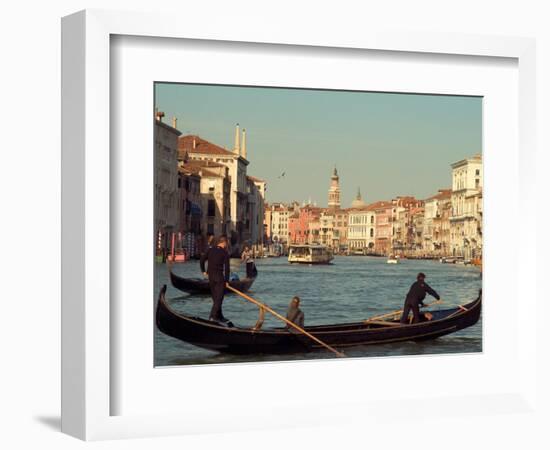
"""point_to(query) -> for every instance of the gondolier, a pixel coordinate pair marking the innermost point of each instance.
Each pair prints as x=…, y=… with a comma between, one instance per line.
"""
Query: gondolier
x=248, y=258
x=218, y=275
x=415, y=298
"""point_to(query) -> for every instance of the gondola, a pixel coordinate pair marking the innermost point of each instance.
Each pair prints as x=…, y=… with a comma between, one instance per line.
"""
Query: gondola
x=237, y=340
x=201, y=286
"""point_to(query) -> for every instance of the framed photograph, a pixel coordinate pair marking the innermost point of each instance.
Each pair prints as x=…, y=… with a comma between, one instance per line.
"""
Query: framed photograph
x=252, y=219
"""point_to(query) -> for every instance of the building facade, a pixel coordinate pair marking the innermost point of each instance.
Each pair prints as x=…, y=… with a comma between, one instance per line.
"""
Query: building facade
x=247, y=194
x=383, y=213
x=255, y=212
x=167, y=200
x=466, y=207
x=361, y=229
x=190, y=212
x=299, y=224
x=436, y=231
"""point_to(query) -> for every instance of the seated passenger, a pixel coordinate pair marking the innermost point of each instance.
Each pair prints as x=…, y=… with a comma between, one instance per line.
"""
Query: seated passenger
x=294, y=313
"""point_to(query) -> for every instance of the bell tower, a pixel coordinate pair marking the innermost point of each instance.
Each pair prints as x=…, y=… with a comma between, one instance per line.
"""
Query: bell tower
x=334, y=191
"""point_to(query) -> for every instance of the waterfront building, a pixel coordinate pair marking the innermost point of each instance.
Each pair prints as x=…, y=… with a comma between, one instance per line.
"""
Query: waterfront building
x=166, y=217
x=401, y=223
x=268, y=223
x=255, y=211
x=299, y=223
x=466, y=202
x=325, y=229
x=314, y=228
x=294, y=230
x=383, y=213
x=279, y=229
x=441, y=231
x=190, y=212
x=400, y=229
x=417, y=230
x=435, y=232
x=195, y=148
x=361, y=228
x=215, y=190
x=340, y=230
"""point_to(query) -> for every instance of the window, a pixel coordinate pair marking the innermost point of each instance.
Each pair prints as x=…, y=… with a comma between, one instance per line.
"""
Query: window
x=211, y=208
x=372, y=232
x=477, y=172
x=210, y=228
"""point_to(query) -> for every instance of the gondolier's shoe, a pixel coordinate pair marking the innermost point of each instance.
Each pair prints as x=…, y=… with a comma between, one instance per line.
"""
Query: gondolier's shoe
x=223, y=321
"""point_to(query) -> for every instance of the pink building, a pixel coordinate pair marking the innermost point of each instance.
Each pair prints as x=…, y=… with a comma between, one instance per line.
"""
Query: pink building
x=299, y=222
x=383, y=211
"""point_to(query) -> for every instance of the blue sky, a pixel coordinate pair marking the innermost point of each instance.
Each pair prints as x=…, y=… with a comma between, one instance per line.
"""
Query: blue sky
x=386, y=144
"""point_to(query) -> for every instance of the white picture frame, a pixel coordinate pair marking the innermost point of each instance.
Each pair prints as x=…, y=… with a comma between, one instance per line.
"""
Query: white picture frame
x=87, y=384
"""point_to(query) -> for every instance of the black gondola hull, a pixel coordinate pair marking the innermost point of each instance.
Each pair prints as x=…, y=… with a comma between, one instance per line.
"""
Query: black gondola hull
x=202, y=287
x=211, y=336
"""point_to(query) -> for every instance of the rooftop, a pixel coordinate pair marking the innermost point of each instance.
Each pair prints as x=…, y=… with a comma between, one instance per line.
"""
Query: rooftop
x=441, y=195
x=195, y=144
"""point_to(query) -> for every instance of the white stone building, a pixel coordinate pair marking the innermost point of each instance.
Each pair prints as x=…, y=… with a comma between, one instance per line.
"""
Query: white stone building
x=433, y=212
x=280, y=213
x=361, y=226
x=166, y=208
x=255, y=210
x=466, y=201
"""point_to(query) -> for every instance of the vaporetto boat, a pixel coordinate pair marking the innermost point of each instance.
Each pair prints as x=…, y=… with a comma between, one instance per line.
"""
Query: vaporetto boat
x=310, y=254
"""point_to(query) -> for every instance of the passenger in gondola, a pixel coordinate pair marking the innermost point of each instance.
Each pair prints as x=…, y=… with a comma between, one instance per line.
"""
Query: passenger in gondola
x=415, y=298
x=218, y=273
x=294, y=313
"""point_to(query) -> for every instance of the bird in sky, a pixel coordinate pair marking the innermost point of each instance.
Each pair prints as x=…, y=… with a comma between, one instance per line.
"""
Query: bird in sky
x=282, y=175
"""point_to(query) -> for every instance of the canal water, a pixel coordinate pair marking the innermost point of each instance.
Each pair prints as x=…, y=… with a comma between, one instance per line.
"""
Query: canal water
x=351, y=289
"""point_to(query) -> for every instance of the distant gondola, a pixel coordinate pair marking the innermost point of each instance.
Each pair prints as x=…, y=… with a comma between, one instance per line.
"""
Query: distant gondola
x=201, y=286
x=238, y=340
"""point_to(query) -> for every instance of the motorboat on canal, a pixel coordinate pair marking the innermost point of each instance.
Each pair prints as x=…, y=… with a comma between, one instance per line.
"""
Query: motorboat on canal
x=392, y=259
x=201, y=285
x=310, y=254
x=240, y=340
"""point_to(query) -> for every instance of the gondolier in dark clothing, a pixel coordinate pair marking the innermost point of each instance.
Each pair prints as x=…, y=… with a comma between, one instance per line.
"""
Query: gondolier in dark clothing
x=218, y=275
x=210, y=242
x=248, y=258
x=415, y=298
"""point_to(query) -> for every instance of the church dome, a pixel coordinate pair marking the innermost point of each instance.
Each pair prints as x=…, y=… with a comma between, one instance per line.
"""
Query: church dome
x=358, y=202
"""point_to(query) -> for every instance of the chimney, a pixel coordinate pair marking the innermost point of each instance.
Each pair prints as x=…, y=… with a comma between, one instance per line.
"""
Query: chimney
x=174, y=122
x=194, y=143
x=243, y=152
x=237, y=148
x=160, y=115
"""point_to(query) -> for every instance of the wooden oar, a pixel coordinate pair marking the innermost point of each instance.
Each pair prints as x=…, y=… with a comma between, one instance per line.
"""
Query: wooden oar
x=399, y=311
x=284, y=319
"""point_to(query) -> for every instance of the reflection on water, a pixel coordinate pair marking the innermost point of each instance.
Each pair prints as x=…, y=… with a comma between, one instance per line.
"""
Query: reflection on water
x=351, y=289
